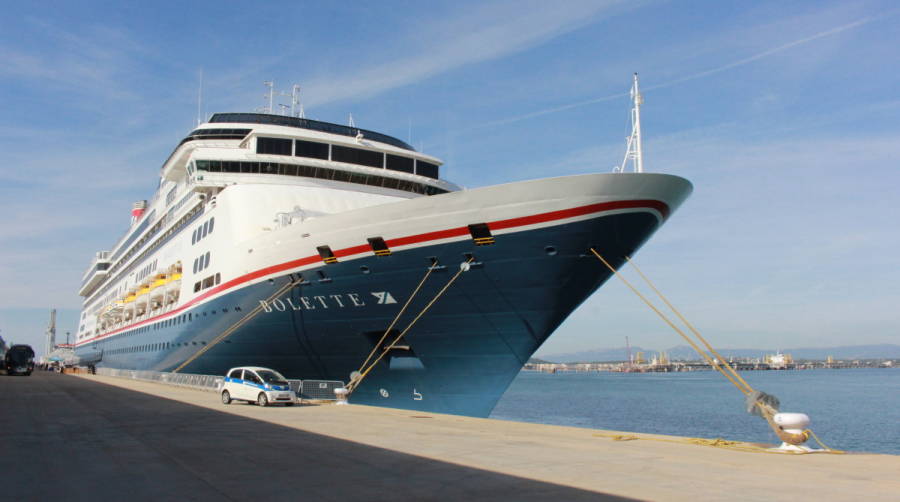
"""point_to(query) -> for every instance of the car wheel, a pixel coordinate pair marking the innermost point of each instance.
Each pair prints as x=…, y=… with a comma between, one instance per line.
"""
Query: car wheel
x=262, y=400
x=226, y=397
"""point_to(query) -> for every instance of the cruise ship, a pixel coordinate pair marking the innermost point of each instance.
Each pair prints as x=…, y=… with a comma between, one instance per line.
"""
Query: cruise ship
x=316, y=249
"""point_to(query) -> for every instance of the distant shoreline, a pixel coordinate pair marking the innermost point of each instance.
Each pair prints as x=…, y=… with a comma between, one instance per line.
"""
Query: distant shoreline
x=698, y=365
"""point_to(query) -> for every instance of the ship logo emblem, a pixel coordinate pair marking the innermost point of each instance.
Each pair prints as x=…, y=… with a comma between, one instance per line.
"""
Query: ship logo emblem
x=384, y=297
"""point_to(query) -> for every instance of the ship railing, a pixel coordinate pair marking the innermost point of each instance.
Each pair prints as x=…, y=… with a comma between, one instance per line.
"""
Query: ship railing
x=316, y=390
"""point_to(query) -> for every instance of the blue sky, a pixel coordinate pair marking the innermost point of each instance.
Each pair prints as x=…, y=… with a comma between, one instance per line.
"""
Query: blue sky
x=782, y=114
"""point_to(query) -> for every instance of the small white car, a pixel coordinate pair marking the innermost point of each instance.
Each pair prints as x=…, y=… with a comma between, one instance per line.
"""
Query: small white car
x=255, y=384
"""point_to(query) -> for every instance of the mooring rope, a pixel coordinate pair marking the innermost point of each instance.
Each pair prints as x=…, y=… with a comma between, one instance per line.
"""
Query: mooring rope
x=355, y=383
x=766, y=410
x=250, y=315
x=396, y=318
x=672, y=325
x=734, y=373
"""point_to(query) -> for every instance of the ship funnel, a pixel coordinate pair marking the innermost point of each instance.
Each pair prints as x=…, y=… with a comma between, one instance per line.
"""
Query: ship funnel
x=137, y=210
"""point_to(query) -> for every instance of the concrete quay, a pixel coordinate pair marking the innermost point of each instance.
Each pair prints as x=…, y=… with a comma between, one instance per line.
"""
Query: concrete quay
x=98, y=438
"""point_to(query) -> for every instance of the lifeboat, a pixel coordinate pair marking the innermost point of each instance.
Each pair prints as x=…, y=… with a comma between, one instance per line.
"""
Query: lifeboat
x=173, y=285
x=160, y=280
x=158, y=289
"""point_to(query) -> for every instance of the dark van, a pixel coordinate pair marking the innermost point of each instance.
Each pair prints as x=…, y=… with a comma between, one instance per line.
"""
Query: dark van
x=19, y=360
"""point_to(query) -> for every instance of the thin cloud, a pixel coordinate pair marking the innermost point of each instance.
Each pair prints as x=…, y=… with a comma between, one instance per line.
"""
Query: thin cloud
x=490, y=33
x=548, y=111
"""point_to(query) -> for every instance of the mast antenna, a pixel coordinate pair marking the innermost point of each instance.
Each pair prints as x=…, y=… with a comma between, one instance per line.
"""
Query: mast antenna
x=269, y=95
x=633, y=147
x=200, y=99
x=295, y=102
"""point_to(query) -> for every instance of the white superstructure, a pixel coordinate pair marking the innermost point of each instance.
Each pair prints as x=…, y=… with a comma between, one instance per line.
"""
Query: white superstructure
x=277, y=170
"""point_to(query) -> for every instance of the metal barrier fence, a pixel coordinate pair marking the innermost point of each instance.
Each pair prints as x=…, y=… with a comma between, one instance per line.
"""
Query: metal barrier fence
x=322, y=390
x=209, y=383
x=319, y=389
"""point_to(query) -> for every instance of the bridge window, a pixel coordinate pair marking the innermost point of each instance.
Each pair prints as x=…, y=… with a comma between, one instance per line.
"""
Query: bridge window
x=426, y=169
x=311, y=149
x=397, y=163
x=274, y=146
x=357, y=156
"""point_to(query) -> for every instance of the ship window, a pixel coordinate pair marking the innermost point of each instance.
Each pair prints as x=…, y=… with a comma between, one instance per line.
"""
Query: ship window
x=231, y=167
x=205, y=228
x=426, y=169
x=194, y=237
x=195, y=265
x=336, y=175
x=206, y=260
x=306, y=171
x=215, y=166
x=274, y=146
x=196, y=287
x=358, y=178
x=212, y=222
x=323, y=173
x=357, y=156
x=202, y=165
x=311, y=149
x=341, y=175
x=391, y=183
x=397, y=163
x=218, y=278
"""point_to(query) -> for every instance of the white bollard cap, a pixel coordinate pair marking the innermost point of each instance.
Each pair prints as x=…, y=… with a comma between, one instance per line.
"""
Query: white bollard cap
x=791, y=420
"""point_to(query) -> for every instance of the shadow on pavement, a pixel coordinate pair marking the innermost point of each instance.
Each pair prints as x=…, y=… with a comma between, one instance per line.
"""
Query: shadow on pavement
x=68, y=437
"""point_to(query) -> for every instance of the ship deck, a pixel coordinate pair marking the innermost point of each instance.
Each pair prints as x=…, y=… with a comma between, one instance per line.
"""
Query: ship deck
x=108, y=438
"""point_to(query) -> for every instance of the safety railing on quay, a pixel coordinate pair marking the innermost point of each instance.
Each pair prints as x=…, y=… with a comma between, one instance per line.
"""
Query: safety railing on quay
x=319, y=390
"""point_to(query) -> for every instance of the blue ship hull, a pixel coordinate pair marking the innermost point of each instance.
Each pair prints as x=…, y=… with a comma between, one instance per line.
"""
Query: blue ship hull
x=462, y=354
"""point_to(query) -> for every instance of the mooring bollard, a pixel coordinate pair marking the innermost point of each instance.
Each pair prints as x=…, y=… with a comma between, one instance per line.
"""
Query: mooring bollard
x=341, y=394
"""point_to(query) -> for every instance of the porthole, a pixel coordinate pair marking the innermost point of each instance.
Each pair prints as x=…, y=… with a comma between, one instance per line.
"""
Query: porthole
x=364, y=269
x=550, y=250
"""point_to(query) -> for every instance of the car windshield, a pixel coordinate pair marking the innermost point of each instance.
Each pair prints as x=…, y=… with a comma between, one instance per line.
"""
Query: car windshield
x=269, y=376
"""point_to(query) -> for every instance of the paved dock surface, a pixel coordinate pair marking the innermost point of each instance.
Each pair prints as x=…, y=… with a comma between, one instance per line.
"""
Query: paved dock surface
x=103, y=438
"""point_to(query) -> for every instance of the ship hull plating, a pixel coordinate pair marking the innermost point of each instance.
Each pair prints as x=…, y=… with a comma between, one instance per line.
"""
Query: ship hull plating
x=458, y=358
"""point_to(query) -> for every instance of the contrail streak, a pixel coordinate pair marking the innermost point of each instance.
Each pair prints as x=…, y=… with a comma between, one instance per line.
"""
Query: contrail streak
x=740, y=62
x=763, y=54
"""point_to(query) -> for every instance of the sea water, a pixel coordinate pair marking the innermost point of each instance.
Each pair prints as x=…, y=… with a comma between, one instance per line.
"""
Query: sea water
x=850, y=409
